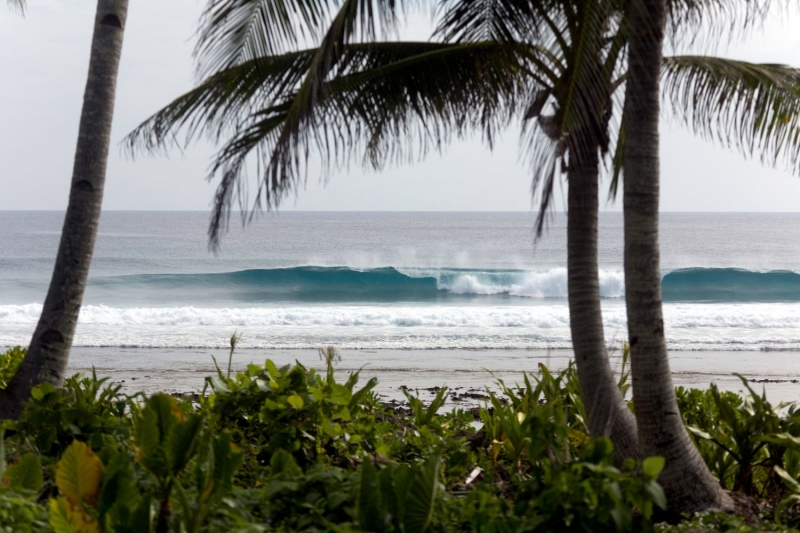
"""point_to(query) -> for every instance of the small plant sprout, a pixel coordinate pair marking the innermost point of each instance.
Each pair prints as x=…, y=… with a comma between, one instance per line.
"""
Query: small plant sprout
x=235, y=338
x=330, y=354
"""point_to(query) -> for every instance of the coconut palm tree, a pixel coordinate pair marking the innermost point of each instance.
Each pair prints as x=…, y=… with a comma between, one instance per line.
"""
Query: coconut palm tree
x=691, y=487
x=377, y=95
x=47, y=356
x=558, y=67
x=753, y=100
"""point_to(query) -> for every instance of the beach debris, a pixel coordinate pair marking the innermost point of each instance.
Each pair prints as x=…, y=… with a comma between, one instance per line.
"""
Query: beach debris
x=477, y=471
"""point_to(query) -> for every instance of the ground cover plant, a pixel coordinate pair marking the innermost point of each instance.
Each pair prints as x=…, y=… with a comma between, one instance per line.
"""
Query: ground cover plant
x=294, y=449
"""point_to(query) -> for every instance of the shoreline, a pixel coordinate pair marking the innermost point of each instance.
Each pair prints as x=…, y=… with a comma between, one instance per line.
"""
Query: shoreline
x=184, y=369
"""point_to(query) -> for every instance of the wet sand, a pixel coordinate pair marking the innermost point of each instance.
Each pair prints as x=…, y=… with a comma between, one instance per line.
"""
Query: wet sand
x=184, y=370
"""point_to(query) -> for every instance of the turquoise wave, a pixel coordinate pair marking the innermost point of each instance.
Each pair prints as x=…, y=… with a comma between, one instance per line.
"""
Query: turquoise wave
x=321, y=284
x=731, y=285
x=282, y=284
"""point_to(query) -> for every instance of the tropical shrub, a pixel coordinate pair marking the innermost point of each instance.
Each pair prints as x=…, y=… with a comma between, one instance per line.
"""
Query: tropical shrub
x=294, y=449
x=9, y=363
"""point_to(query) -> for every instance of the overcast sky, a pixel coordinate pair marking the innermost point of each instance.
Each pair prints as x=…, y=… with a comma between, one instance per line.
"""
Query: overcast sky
x=44, y=58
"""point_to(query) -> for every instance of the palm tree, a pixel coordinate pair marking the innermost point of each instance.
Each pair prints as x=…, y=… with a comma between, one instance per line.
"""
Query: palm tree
x=486, y=70
x=47, y=356
x=557, y=66
x=754, y=99
x=689, y=483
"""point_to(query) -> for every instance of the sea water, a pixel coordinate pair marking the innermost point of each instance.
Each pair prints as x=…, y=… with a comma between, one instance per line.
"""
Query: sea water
x=399, y=281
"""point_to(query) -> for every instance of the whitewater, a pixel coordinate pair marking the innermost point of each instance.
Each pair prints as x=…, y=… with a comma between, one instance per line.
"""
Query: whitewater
x=399, y=281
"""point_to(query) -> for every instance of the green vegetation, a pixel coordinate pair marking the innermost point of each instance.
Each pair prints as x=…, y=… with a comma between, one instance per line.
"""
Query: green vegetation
x=293, y=449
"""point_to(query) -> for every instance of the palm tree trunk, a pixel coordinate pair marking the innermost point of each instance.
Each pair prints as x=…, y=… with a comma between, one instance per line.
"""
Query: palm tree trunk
x=607, y=413
x=46, y=361
x=686, y=480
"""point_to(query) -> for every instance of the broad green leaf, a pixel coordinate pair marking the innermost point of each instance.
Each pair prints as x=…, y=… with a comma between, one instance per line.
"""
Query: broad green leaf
x=227, y=459
x=271, y=369
x=420, y=496
x=64, y=518
x=181, y=442
x=295, y=401
x=118, y=496
x=782, y=439
x=791, y=483
x=148, y=440
x=370, y=509
x=652, y=466
x=343, y=413
x=656, y=494
x=26, y=474
x=699, y=432
x=78, y=474
x=340, y=394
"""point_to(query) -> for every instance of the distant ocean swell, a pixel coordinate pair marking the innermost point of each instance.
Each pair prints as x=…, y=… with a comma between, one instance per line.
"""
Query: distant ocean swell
x=326, y=284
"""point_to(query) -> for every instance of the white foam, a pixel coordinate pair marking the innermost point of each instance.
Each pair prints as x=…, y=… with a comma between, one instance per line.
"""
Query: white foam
x=690, y=326
x=530, y=284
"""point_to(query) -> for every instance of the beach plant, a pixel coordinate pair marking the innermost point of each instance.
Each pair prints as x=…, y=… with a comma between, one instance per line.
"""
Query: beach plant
x=421, y=415
x=9, y=363
x=743, y=439
x=235, y=338
x=245, y=457
x=398, y=498
x=293, y=409
x=86, y=408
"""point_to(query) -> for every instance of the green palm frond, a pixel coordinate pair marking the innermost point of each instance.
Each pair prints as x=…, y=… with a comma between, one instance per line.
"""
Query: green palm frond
x=569, y=119
x=486, y=20
x=711, y=22
x=236, y=31
x=752, y=107
x=383, y=103
x=17, y=5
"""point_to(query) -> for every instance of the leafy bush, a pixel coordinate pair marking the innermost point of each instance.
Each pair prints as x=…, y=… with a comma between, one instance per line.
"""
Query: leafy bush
x=9, y=363
x=737, y=436
x=293, y=449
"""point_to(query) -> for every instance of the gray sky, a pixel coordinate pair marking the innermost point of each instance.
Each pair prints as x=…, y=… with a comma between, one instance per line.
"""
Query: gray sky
x=44, y=58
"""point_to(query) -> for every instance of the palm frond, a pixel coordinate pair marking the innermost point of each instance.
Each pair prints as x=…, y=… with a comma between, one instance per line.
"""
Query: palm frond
x=232, y=32
x=17, y=6
x=752, y=107
x=383, y=103
x=571, y=120
x=485, y=20
x=713, y=21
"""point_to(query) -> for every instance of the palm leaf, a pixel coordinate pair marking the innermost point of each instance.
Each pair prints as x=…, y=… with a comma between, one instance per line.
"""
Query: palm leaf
x=485, y=20
x=236, y=31
x=712, y=21
x=383, y=103
x=17, y=6
x=752, y=107
x=573, y=118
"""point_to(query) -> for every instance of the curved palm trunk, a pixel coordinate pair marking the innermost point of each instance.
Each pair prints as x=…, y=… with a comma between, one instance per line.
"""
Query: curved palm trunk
x=686, y=480
x=607, y=413
x=49, y=349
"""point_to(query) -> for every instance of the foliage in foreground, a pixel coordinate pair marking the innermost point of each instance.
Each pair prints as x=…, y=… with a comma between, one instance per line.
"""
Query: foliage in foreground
x=292, y=449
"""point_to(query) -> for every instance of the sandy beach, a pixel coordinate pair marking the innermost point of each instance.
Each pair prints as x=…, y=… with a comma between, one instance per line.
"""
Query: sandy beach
x=184, y=370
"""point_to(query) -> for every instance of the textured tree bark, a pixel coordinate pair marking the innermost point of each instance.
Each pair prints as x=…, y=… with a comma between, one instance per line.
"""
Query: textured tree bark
x=606, y=411
x=686, y=480
x=48, y=352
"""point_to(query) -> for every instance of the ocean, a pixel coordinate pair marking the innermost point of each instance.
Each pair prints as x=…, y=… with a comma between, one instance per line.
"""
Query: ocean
x=398, y=281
